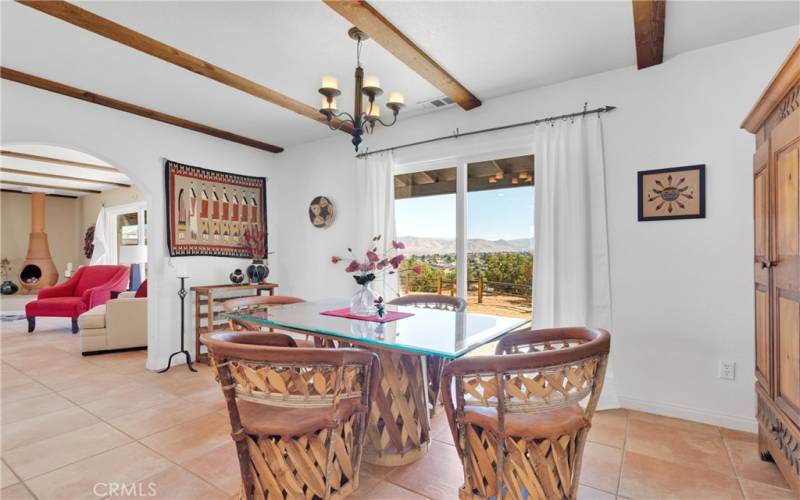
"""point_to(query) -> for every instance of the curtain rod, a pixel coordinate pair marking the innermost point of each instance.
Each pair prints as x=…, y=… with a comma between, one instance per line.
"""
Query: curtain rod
x=457, y=134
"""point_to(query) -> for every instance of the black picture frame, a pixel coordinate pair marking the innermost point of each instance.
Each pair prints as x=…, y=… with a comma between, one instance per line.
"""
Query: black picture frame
x=701, y=192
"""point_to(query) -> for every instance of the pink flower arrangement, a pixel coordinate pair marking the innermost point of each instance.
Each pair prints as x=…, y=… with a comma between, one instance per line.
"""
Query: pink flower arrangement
x=364, y=270
x=253, y=242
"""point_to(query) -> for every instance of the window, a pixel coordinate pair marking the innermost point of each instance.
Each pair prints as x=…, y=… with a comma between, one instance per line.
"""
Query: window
x=475, y=242
x=125, y=225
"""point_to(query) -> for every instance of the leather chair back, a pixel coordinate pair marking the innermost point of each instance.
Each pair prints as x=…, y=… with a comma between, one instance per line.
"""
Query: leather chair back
x=255, y=302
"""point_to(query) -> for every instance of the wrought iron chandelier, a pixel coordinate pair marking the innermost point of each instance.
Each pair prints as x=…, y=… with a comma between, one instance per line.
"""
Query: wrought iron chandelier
x=361, y=120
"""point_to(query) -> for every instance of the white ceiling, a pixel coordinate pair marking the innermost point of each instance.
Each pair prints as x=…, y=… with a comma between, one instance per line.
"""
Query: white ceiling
x=61, y=186
x=493, y=48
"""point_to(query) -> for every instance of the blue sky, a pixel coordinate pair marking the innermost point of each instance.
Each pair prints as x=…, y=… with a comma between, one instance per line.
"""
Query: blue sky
x=492, y=215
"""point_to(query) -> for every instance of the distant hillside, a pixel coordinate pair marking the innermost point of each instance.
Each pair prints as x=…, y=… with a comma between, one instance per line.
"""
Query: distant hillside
x=416, y=245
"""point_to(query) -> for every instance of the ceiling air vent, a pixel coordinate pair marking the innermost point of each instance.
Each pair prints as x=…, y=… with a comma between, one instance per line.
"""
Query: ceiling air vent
x=437, y=103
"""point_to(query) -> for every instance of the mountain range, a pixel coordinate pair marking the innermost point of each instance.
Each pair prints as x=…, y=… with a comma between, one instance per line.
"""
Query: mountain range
x=418, y=245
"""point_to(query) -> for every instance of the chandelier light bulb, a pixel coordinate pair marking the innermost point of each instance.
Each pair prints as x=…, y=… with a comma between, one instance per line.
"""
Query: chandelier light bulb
x=396, y=98
x=375, y=112
x=372, y=81
x=330, y=82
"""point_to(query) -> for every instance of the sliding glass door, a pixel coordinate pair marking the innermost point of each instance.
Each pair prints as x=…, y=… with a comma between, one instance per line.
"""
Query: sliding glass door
x=425, y=214
x=470, y=228
x=500, y=236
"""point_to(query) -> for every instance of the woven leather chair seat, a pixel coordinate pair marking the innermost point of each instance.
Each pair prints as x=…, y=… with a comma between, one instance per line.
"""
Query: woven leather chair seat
x=567, y=420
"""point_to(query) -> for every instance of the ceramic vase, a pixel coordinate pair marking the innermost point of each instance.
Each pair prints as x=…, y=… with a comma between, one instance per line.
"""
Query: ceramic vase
x=237, y=277
x=8, y=288
x=257, y=272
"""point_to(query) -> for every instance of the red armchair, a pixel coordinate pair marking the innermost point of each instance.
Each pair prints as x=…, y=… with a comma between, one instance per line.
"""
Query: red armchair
x=89, y=287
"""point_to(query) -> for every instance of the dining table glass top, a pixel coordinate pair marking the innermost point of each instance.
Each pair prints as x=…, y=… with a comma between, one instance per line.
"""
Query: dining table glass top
x=428, y=331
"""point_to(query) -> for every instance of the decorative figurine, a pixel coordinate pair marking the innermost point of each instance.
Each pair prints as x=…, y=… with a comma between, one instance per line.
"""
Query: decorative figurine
x=380, y=307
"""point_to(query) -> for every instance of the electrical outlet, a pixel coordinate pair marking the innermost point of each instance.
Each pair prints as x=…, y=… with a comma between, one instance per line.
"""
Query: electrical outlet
x=727, y=370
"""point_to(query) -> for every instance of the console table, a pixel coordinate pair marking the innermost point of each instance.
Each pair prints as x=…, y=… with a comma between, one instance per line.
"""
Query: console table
x=208, y=305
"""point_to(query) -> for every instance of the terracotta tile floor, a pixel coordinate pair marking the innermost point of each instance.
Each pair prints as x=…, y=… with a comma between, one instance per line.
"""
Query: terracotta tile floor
x=69, y=423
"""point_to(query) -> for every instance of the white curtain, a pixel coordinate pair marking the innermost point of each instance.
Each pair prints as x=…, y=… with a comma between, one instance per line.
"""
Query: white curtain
x=571, y=272
x=375, y=216
x=100, y=252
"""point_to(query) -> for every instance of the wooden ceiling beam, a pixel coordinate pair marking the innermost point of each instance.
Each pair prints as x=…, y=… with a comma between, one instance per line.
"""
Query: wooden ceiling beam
x=58, y=161
x=109, y=102
x=20, y=191
x=49, y=186
x=648, y=25
x=59, y=176
x=386, y=34
x=109, y=29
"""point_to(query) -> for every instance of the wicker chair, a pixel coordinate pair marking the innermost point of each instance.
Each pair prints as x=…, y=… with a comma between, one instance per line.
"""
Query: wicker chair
x=254, y=302
x=263, y=303
x=434, y=363
x=298, y=416
x=526, y=439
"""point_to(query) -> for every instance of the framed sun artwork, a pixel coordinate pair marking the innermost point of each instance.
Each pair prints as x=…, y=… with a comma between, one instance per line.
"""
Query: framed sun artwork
x=672, y=193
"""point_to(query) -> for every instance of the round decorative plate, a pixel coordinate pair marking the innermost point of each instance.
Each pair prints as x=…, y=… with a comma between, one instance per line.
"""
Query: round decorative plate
x=321, y=212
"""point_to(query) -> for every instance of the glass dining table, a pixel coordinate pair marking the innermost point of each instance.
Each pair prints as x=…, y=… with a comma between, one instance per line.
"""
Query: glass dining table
x=398, y=429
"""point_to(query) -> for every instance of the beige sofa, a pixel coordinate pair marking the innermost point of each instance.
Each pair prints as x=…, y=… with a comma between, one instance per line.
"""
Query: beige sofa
x=120, y=323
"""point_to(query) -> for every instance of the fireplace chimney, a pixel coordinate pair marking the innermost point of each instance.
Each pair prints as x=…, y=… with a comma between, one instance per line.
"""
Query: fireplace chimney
x=38, y=269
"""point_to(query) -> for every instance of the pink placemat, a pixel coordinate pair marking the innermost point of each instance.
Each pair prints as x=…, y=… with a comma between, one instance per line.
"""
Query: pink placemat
x=345, y=313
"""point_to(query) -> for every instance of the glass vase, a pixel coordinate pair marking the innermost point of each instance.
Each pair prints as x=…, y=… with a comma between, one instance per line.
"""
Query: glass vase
x=363, y=301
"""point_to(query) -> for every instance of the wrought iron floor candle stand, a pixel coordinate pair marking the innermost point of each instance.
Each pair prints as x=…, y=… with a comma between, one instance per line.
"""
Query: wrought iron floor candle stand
x=182, y=294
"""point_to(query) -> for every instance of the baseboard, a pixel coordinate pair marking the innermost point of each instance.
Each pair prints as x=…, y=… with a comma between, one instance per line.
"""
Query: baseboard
x=687, y=413
x=109, y=351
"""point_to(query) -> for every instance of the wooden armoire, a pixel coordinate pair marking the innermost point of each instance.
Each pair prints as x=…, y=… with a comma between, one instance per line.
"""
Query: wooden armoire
x=775, y=121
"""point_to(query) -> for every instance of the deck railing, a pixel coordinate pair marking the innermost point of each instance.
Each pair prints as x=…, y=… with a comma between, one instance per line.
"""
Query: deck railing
x=480, y=285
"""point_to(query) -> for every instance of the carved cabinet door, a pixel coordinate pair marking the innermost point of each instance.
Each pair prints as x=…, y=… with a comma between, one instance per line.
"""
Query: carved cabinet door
x=762, y=250
x=785, y=171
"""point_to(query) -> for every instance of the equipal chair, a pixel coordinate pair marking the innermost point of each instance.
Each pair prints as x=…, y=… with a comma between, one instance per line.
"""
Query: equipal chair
x=254, y=302
x=515, y=417
x=263, y=303
x=434, y=363
x=298, y=415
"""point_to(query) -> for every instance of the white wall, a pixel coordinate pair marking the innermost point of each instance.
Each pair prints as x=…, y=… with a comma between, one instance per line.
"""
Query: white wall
x=136, y=146
x=681, y=290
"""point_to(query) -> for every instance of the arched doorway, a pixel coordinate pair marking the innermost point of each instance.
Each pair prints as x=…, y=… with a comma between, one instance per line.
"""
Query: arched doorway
x=64, y=210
